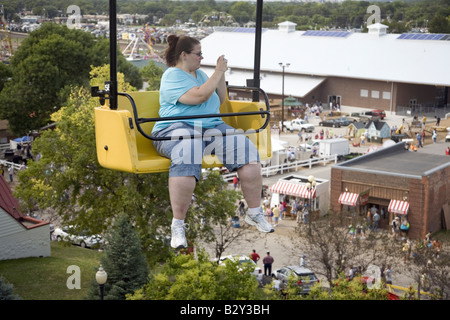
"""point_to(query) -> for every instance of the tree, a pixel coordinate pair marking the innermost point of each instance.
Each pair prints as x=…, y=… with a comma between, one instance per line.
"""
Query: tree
x=243, y=11
x=124, y=262
x=184, y=277
x=5, y=74
x=7, y=290
x=47, y=63
x=332, y=249
x=428, y=265
x=50, y=61
x=343, y=289
x=440, y=24
x=152, y=74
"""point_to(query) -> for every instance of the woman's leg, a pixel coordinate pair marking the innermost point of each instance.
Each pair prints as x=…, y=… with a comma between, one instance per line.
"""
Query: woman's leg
x=180, y=191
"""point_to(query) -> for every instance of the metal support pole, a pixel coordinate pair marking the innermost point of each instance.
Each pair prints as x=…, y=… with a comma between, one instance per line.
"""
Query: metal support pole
x=282, y=101
x=113, y=54
x=257, y=60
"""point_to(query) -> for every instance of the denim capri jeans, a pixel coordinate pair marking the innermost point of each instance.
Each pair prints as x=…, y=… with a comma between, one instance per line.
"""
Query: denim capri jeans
x=233, y=149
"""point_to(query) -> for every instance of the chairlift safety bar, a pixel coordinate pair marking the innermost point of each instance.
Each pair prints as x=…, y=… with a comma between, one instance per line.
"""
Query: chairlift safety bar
x=264, y=114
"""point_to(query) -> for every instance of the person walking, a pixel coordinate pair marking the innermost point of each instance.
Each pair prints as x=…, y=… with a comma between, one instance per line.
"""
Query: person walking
x=276, y=215
x=395, y=224
x=419, y=140
x=11, y=173
x=434, y=136
x=303, y=260
x=376, y=220
x=388, y=274
x=267, y=261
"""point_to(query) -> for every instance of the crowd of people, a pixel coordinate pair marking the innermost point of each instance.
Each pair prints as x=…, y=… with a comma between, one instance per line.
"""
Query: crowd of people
x=274, y=214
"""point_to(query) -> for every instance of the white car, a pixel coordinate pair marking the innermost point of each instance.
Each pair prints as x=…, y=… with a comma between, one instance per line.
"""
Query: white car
x=310, y=145
x=305, y=277
x=299, y=125
x=75, y=236
x=447, y=137
x=243, y=260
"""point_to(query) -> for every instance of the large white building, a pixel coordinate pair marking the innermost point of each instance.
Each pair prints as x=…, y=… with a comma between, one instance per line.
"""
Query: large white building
x=370, y=70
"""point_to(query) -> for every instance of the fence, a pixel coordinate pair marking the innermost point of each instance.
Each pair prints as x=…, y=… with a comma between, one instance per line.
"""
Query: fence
x=428, y=110
x=288, y=166
x=7, y=164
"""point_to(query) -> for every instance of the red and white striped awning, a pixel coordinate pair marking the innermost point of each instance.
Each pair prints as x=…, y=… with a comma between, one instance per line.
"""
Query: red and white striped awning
x=348, y=198
x=398, y=207
x=293, y=189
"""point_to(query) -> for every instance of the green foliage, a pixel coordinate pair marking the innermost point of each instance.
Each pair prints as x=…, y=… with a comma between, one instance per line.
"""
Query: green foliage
x=440, y=24
x=5, y=74
x=124, y=262
x=47, y=63
x=343, y=289
x=7, y=290
x=152, y=74
x=183, y=277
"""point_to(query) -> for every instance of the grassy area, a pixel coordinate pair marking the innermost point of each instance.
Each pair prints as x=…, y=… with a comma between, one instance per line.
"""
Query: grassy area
x=46, y=278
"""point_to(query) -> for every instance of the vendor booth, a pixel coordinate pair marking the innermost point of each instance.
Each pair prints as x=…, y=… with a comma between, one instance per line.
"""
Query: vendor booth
x=309, y=191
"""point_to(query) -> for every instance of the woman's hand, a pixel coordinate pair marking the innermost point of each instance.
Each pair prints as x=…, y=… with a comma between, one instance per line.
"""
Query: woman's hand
x=222, y=64
x=216, y=82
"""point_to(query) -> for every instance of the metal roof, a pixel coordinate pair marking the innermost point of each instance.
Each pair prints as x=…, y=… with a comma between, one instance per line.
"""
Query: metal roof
x=382, y=57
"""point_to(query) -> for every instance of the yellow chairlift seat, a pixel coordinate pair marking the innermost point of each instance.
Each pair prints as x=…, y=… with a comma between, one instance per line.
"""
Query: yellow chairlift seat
x=124, y=143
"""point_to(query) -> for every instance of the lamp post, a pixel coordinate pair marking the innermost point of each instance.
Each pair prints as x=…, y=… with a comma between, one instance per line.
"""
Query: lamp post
x=101, y=276
x=282, y=65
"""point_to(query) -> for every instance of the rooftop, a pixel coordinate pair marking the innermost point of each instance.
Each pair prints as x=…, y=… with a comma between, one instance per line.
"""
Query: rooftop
x=315, y=55
x=397, y=161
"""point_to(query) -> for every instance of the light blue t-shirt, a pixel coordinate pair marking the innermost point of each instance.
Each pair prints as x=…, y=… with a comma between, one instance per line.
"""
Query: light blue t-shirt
x=176, y=82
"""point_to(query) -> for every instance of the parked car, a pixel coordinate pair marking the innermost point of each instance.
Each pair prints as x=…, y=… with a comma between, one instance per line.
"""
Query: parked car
x=299, y=125
x=304, y=276
x=447, y=137
x=365, y=116
x=257, y=272
x=77, y=236
x=378, y=113
x=344, y=121
x=330, y=123
x=355, y=118
x=373, y=115
x=309, y=145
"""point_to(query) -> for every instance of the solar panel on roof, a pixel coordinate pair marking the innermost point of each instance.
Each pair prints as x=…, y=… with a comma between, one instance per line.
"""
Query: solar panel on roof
x=318, y=33
x=423, y=36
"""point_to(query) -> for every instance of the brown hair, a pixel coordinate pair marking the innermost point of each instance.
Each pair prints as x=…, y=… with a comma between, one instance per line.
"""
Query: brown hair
x=176, y=46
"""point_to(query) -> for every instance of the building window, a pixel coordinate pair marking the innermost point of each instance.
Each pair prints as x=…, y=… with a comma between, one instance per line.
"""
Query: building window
x=386, y=95
x=375, y=94
x=364, y=93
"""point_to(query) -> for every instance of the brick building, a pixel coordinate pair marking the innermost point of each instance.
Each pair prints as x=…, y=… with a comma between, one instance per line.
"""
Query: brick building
x=403, y=183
